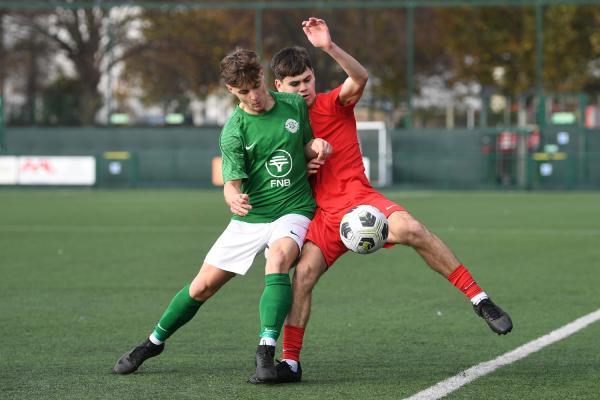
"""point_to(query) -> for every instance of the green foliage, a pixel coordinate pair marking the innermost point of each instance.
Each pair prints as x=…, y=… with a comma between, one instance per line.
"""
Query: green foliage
x=61, y=102
x=172, y=54
x=480, y=40
x=184, y=50
x=571, y=44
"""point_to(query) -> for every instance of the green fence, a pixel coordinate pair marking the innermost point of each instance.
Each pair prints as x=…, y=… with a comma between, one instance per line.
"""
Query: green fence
x=131, y=157
x=565, y=157
x=560, y=157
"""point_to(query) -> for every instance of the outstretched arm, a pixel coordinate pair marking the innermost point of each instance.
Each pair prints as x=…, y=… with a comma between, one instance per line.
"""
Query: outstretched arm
x=317, y=32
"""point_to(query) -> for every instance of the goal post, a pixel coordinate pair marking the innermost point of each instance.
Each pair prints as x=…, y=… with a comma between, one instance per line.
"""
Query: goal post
x=376, y=148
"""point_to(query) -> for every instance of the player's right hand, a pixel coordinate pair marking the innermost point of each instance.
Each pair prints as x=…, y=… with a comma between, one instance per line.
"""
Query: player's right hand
x=240, y=204
x=312, y=167
x=322, y=148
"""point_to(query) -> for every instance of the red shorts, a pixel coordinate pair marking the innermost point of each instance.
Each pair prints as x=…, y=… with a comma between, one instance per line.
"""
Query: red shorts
x=324, y=229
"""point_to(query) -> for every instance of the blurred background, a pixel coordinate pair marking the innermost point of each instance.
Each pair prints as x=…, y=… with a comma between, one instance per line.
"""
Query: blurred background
x=494, y=94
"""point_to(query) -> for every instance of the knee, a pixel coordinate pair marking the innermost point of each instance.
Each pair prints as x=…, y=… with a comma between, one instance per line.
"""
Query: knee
x=417, y=231
x=306, y=276
x=409, y=232
x=279, y=260
x=201, y=290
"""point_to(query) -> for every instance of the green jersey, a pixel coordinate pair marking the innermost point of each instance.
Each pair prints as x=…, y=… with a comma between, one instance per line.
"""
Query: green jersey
x=266, y=151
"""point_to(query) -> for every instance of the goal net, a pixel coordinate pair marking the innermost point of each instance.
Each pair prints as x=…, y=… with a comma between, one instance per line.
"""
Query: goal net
x=376, y=148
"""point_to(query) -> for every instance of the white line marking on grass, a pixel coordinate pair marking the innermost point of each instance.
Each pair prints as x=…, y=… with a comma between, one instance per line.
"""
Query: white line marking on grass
x=449, y=385
x=517, y=231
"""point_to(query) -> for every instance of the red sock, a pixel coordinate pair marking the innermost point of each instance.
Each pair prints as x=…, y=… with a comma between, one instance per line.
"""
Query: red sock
x=292, y=342
x=462, y=279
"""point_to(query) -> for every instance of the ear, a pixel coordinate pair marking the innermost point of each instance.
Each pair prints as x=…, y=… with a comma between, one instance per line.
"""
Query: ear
x=278, y=85
x=229, y=88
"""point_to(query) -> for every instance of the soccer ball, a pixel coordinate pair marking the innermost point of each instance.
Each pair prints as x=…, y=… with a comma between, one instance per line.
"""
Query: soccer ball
x=364, y=229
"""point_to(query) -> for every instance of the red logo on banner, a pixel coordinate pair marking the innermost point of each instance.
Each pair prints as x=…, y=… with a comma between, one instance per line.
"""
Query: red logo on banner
x=37, y=165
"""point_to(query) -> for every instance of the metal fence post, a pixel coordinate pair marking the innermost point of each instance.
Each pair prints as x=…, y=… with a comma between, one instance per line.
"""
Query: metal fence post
x=2, y=144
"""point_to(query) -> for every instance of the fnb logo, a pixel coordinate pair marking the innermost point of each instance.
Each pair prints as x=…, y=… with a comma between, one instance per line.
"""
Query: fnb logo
x=279, y=164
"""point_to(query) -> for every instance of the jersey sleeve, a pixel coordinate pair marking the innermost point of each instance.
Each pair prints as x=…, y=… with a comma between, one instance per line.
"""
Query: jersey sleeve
x=232, y=154
x=335, y=106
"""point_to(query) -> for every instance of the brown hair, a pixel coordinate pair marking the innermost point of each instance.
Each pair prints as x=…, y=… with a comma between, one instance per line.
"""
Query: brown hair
x=241, y=68
x=291, y=61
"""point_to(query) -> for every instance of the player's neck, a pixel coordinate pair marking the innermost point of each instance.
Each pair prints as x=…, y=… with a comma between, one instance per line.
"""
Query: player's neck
x=269, y=104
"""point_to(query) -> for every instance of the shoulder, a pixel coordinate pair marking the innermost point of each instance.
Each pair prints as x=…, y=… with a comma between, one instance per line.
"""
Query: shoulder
x=292, y=99
x=327, y=102
x=331, y=95
x=232, y=130
x=233, y=124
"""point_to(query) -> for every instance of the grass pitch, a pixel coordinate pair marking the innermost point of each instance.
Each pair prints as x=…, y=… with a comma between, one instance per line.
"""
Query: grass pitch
x=85, y=275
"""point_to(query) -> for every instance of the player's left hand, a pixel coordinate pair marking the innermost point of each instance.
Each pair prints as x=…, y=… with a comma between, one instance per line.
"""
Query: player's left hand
x=317, y=32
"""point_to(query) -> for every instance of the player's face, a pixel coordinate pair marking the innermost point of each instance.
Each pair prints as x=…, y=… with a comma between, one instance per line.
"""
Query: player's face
x=253, y=99
x=303, y=84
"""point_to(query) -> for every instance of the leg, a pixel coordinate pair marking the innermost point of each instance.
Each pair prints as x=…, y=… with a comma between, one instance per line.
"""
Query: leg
x=310, y=268
x=181, y=310
x=186, y=303
x=276, y=298
x=275, y=303
x=281, y=256
x=208, y=281
x=406, y=230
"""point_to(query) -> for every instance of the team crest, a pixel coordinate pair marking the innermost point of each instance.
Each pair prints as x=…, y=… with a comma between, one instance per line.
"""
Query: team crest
x=292, y=125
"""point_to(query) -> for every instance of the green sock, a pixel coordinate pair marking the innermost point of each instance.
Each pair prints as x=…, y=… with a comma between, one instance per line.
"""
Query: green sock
x=275, y=303
x=181, y=309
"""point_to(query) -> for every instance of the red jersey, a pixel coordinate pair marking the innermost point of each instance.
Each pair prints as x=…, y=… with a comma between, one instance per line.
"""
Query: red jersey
x=341, y=181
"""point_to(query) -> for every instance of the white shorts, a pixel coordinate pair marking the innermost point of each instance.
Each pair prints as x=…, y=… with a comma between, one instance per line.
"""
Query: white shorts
x=240, y=242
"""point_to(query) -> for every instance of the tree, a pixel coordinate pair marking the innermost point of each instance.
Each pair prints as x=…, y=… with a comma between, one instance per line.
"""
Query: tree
x=22, y=65
x=183, y=51
x=61, y=102
x=87, y=38
x=571, y=44
x=186, y=46
x=496, y=46
x=376, y=39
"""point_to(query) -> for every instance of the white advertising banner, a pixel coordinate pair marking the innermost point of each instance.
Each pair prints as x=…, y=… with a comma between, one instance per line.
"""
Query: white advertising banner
x=39, y=170
x=9, y=167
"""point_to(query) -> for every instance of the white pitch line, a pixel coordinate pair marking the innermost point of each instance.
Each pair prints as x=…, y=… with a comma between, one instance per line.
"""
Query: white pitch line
x=449, y=385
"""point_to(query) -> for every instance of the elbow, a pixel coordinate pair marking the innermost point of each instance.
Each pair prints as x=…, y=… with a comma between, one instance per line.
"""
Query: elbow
x=364, y=78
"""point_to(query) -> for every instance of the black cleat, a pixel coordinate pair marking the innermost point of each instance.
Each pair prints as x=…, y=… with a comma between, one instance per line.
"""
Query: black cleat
x=255, y=381
x=265, y=363
x=284, y=374
x=131, y=361
x=498, y=320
